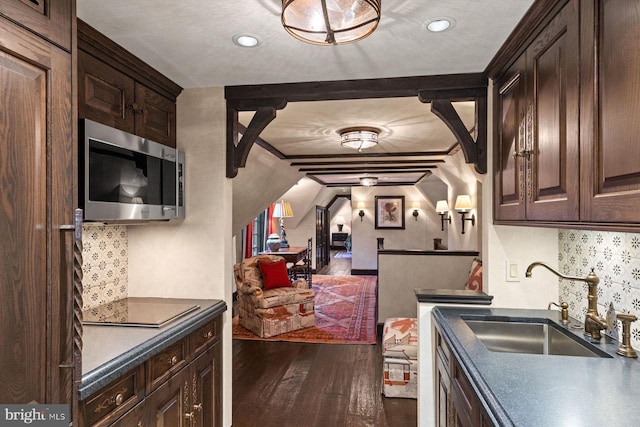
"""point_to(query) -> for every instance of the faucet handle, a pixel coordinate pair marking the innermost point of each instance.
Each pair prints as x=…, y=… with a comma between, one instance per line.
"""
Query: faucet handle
x=564, y=307
x=625, y=348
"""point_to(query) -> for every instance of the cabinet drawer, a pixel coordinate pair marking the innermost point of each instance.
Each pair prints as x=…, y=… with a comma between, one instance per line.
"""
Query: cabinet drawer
x=204, y=337
x=114, y=400
x=161, y=366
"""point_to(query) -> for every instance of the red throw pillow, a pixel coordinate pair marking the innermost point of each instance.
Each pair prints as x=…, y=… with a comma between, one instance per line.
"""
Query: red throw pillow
x=475, y=277
x=274, y=274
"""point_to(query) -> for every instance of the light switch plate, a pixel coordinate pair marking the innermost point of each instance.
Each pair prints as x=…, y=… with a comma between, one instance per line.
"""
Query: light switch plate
x=511, y=271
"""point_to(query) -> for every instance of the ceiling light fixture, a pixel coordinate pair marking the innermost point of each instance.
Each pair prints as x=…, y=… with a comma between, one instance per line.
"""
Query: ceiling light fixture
x=440, y=24
x=245, y=40
x=359, y=138
x=330, y=22
x=368, y=181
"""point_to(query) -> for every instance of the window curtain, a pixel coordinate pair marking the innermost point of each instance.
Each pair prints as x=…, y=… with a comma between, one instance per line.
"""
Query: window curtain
x=248, y=240
x=273, y=225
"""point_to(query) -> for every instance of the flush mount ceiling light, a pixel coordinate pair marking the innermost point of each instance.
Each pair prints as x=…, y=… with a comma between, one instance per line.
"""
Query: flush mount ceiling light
x=330, y=22
x=359, y=138
x=245, y=40
x=368, y=181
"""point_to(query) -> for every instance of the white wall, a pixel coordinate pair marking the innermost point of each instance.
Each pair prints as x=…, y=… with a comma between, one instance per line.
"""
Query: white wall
x=416, y=235
x=522, y=245
x=461, y=178
x=193, y=258
x=342, y=207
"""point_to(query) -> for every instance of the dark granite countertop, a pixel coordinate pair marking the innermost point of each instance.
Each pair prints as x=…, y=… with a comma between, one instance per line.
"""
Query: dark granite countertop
x=544, y=390
x=108, y=352
x=453, y=296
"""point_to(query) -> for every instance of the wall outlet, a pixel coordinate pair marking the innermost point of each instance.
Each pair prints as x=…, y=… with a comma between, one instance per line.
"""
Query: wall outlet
x=512, y=271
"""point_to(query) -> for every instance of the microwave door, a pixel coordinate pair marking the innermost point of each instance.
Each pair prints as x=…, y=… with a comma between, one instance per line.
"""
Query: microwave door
x=127, y=178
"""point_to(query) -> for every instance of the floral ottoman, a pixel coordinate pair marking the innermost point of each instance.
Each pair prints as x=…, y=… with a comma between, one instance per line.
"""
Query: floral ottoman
x=400, y=353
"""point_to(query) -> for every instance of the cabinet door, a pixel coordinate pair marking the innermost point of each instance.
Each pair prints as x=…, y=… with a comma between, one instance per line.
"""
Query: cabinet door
x=610, y=105
x=49, y=18
x=443, y=404
x=137, y=417
x=36, y=198
x=206, y=388
x=510, y=144
x=155, y=116
x=105, y=95
x=466, y=405
x=168, y=406
x=553, y=122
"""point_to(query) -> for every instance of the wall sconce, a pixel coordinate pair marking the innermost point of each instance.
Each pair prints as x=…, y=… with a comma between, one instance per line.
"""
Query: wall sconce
x=463, y=206
x=340, y=222
x=361, y=209
x=442, y=207
x=416, y=208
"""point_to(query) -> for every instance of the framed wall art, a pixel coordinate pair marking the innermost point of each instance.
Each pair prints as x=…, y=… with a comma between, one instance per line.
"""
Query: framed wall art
x=389, y=212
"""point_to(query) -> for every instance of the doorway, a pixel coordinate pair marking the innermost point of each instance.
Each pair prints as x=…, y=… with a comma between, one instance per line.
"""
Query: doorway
x=322, y=237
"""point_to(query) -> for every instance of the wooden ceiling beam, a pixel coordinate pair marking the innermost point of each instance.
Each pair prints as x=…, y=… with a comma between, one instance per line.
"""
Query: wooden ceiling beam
x=370, y=155
x=387, y=172
x=356, y=89
x=369, y=162
x=440, y=90
x=370, y=169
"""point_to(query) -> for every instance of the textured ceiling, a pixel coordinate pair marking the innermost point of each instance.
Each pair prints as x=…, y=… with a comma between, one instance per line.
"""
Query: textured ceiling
x=191, y=42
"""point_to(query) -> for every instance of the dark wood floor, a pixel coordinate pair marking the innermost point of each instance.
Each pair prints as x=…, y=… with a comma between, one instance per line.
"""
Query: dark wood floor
x=337, y=266
x=304, y=385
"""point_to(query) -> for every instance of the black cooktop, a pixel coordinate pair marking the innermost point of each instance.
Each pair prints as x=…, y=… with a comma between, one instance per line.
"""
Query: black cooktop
x=142, y=312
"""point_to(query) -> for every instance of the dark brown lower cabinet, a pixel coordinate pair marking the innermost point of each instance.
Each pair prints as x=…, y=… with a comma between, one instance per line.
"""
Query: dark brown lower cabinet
x=169, y=404
x=189, y=395
x=457, y=404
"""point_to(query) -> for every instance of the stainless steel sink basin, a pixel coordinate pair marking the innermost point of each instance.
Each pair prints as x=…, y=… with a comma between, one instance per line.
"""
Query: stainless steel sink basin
x=539, y=337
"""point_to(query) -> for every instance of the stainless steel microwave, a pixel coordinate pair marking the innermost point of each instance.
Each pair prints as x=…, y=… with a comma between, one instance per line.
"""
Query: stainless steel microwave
x=127, y=178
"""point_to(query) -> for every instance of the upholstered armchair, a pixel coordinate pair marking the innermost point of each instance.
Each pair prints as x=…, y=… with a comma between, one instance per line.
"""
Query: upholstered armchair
x=268, y=303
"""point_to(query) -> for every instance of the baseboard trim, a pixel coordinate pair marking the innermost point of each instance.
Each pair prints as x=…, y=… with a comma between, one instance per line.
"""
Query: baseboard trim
x=379, y=330
x=355, y=272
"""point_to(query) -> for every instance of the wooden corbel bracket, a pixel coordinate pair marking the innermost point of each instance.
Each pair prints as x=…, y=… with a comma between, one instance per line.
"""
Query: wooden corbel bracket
x=265, y=112
x=474, y=151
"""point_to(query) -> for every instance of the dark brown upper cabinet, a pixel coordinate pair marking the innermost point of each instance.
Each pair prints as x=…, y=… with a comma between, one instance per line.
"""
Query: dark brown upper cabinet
x=117, y=89
x=567, y=96
x=610, y=104
x=50, y=19
x=536, y=162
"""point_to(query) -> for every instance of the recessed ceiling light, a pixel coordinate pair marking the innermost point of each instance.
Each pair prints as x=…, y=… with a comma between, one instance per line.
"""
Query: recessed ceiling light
x=245, y=40
x=440, y=24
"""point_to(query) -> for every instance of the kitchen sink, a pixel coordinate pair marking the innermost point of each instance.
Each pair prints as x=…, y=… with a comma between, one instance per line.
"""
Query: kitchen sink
x=541, y=336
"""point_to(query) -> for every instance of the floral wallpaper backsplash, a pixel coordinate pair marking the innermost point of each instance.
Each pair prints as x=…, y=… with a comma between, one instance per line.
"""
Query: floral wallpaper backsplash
x=105, y=264
x=616, y=259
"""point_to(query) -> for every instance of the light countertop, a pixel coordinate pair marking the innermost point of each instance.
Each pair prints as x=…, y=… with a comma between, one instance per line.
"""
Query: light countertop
x=108, y=352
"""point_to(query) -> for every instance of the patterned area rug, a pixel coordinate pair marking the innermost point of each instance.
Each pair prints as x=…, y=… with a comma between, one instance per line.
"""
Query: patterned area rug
x=345, y=313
